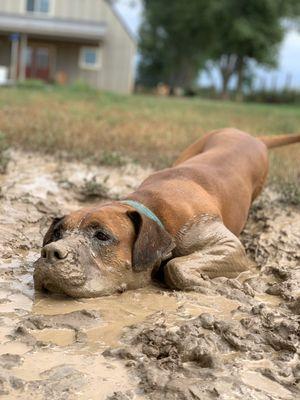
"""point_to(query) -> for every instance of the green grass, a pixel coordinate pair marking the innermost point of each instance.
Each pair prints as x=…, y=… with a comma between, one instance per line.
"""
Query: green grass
x=4, y=158
x=108, y=128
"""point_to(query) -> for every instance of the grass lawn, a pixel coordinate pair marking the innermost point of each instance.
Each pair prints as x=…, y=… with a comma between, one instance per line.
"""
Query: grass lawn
x=105, y=127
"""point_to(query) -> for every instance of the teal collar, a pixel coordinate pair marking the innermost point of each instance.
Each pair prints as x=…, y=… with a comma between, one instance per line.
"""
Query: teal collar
x=143, y=210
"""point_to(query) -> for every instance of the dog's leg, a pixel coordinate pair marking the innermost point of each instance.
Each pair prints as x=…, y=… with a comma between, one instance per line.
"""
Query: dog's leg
x=207, y=248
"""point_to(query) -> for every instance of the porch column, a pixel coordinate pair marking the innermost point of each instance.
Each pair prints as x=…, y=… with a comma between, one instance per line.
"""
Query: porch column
x=14, y=56
x=100, y=69
x=23, y=49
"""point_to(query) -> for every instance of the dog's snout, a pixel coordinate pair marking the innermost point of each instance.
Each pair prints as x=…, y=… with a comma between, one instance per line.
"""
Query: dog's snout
x=54, y=252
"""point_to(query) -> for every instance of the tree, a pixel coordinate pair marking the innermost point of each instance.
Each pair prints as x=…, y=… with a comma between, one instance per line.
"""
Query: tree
x=177, y=38
x=174, y=39
x=247, y=31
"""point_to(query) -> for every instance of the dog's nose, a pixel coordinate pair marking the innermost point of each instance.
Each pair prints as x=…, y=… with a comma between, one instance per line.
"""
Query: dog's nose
x=54, y=252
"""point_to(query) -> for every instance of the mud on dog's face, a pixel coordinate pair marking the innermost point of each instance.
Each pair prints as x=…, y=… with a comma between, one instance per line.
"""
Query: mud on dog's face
x=99, y=251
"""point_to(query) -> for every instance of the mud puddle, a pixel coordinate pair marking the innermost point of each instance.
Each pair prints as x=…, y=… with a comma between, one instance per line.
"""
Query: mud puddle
x=238, y=339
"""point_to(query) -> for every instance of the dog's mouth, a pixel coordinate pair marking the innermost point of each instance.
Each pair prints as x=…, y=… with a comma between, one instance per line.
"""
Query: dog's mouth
x=49, y=280
x=49, y=287
x=57, y=278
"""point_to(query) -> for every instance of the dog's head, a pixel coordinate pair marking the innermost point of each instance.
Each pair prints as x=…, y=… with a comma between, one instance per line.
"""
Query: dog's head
x=99, y=251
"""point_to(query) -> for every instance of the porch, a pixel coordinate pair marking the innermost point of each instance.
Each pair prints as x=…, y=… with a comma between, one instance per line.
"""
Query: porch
x=56, y=50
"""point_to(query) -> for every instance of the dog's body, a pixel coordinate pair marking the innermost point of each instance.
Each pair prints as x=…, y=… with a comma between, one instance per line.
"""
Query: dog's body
x=202, y=202
x=222, y=180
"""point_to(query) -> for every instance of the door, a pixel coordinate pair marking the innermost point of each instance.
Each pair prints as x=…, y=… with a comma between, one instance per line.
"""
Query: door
x=38, y=62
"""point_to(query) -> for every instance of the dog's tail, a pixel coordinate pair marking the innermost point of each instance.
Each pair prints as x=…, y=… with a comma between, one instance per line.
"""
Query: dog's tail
x=281, y=140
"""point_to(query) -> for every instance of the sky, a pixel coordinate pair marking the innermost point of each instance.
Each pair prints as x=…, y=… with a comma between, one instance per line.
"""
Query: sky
x=287, y=73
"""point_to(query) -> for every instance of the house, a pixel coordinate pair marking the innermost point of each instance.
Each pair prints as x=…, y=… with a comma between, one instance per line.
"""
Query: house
x=66, y=41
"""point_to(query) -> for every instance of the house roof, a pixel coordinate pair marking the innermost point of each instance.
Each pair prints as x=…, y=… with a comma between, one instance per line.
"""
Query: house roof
x=54, y=27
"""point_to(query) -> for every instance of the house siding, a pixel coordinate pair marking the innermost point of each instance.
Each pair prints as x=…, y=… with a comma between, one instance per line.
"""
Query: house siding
x=11, y=6
x=88, y=10
x=67, y=60
x=118, y=55
x=117, y=49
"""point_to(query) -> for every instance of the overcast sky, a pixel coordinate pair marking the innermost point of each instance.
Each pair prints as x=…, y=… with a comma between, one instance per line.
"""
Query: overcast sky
x=289, y=54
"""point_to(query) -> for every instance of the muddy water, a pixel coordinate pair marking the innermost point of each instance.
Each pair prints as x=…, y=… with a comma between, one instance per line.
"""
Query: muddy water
x=62, y=358
x=132, y=307
x=238, y=339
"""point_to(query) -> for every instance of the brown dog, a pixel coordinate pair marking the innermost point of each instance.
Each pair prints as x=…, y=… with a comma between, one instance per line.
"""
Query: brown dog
x=186, y=218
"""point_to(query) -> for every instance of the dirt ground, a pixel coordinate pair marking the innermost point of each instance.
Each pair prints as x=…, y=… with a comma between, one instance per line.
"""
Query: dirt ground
x=234, y=339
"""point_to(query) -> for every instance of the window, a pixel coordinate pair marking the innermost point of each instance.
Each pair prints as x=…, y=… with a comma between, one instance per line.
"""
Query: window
x=39, y=6
x=89, y=58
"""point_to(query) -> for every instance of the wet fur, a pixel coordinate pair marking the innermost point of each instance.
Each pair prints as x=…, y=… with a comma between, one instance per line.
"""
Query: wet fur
x=203, y=202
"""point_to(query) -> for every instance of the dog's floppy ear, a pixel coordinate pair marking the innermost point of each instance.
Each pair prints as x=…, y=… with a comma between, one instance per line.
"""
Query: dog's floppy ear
x=53, y=232
x=153, y=244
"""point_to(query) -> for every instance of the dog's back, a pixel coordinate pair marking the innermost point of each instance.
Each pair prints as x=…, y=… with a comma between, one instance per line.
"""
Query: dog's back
x=221, y=180
x=198, y=146
x=221, y=174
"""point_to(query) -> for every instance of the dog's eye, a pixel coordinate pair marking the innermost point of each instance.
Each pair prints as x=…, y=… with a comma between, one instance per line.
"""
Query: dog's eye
x=103, y=237
x=56, y=235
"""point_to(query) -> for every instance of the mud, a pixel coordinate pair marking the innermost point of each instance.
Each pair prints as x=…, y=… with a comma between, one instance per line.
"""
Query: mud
x=233, y=339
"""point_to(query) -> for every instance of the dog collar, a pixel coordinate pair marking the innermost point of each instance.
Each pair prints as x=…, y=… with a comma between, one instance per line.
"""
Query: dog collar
x=143, y=210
